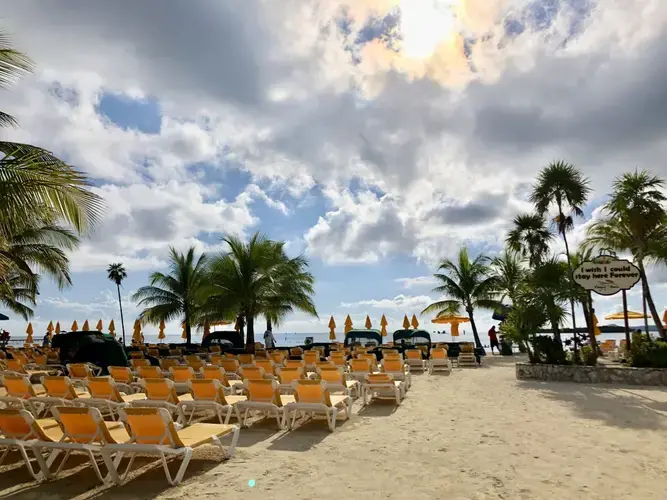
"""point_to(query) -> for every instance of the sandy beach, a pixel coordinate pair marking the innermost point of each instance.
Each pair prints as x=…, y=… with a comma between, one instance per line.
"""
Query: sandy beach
x=476, y=434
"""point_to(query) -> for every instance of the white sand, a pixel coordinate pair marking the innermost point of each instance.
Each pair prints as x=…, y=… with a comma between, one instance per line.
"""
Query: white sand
x=477, y=434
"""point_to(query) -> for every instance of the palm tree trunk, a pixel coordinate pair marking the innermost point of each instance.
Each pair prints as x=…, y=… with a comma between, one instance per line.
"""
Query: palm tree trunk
x=188, y=330
x=269, y=325
x=587, y=306
x=120, y=305
x=561, y=216
x=250, y=333
x=648, y=299
x=478, y=342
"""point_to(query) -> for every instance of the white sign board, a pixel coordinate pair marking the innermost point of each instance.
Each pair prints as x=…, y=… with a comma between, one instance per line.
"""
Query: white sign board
x=607, y=276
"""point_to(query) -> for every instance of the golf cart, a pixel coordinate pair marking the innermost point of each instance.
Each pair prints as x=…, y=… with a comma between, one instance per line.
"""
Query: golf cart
x=229, y=341
x=365, y=338
x=411, y=339
x=98, y=348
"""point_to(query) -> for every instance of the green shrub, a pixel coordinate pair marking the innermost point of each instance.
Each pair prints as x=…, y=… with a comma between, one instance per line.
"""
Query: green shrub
x=647, y=353
x=547, y=350
x=588, y=356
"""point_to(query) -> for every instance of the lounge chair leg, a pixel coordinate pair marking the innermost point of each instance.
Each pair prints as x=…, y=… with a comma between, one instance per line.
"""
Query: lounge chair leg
x=38, y=476
x=332, y=422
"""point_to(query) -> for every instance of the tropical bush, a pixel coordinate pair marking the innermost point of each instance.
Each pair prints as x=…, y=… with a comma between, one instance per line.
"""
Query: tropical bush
x=646, y=353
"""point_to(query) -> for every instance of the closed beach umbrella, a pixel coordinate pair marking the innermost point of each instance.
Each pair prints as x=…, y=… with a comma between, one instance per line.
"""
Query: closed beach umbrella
x=29, y=331
x=112, y=328
x=184, y=334
x=348, y=324
x=160, y=334
x=50, y=327
x=75, y=326
x=368, y=323
x=332, y=329
x=414, y=322
x=455, y=329
x=406, y=322
x=596, y=329
x=136, y=335
x=85, y=327
x=99, y=326
x=383, y=324
x=57, y=330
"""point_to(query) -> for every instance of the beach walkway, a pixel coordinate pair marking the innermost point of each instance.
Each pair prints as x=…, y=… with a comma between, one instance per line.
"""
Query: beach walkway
x=476, y=434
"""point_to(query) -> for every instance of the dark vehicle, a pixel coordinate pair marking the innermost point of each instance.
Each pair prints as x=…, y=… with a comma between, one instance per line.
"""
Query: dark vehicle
x=230, y=341
x=365, y=338
x=89, y=347
x=409, y=339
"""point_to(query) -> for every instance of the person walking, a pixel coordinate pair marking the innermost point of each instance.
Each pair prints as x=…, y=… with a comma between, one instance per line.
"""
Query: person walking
x=269, y=340
x=493, y=339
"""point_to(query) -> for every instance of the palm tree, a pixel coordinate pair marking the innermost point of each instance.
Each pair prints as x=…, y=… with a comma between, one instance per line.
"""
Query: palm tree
x=178, y=295
x=466, y=285
x=550, y=285
x=584, y=254
x=32, y=177
x=510, y=273
x=564, y=186
x=257, y=278
x=530, y=238
x=116, y=273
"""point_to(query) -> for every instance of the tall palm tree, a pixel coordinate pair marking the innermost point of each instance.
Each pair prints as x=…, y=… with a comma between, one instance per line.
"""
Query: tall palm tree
x=32, y=177
x=550, y=285
x=256, y=278
x=563, y=185
x=178, y=295
x=510, y=273
x=466, y=285
x=530, y=237
x=584, y=254
x=116, y=273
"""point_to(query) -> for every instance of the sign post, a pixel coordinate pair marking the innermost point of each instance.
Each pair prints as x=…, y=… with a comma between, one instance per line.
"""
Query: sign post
x=607, y=275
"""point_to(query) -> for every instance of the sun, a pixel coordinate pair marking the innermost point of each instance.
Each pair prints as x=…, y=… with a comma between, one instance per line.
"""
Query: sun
x=424, y=25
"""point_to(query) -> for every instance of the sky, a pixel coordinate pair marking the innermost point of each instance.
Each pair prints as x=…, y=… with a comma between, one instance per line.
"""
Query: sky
x=376, y=137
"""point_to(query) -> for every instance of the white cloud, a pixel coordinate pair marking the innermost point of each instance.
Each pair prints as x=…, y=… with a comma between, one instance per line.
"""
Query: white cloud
x=403, y=302
x=418, y=281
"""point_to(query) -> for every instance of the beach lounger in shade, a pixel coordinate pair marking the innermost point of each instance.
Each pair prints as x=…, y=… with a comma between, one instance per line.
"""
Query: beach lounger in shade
x=285, y=378
x=160, y=393
x=125, y=379
x=231, y=367
x=218, y=373
x=359, y=368
x=397, y=368
x=414, y=359
x=310, y=358
x=181, y=375
x=439, y=361
x=19, y=367
x=267, y=365
x=312, y=396
x=264, y=397
x=149, y=372
x=382, y=385
x=105, y=396
x=467, y=357
x=246, y=359
x=166, y=363
x=79, y=372
x=136, y=363
x=278, y=357
x=337, y=381
x=152, y=432
x=210, y=395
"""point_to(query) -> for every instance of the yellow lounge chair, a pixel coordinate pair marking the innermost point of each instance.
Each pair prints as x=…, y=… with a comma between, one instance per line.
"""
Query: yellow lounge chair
x=438, y=360
x=125, y=379
x=414, y=359
x=19, y=392
x=18, y=367
x=337, y=381
x=278, y=357
x=218, y=373
x=246, y=359
x=166, y=363
x=267, y=365
x=310, y=357
x=231, y=367
x=296, y=363
x=285, y=378
x=382, y=385
x=181, y=375
x=359, y=368
x=397, y=369
x=160, y=393
x=136, y=363
x=105, y=396
x=58, y=391
x=253, y=373
x=312, y=396
x=81, y=430
x=215, y=348
x=263, y=396
x=152, y=432
x=79, y=372
x=210, y=395
x=149, y=371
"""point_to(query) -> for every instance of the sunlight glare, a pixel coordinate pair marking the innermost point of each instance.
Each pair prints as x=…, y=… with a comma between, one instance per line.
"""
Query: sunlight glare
x=424, y=25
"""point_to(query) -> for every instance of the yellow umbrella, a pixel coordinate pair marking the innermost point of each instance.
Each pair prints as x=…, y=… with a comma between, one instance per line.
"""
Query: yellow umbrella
x=57, y=330
x=446, y=319
x=596, y=329
x=332, y=329
x=222, y=322
x=136, y=335
x=383, y=324
x=620, y=315
x=184, y=335
x=29, y=331
x=348, y=324
x=85, y=327
x=75, y=326
x=161, y=335
x=406, y=322
x=112, y=328
x=414, y=322
x=368, y=323
x=455, y=329
x=99, y=326
x=50, y=327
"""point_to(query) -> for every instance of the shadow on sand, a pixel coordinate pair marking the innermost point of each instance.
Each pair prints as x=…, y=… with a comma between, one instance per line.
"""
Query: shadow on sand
x=621, y=406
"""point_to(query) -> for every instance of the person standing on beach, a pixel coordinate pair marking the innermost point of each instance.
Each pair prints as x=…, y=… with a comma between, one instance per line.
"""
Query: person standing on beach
x=269, y=341
x=493, y=339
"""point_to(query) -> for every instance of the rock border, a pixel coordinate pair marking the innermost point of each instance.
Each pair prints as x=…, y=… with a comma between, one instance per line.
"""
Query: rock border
x=601, y=374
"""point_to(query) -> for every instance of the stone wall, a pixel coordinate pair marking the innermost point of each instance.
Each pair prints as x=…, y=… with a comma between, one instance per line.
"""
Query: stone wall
x=601, y=374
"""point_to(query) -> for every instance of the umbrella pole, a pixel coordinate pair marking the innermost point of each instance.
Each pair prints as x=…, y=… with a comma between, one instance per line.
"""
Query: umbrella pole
x=625, y=319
